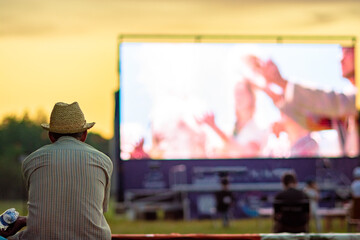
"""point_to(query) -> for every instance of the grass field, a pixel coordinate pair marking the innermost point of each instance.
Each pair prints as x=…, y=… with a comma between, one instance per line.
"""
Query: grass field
x=119, y=224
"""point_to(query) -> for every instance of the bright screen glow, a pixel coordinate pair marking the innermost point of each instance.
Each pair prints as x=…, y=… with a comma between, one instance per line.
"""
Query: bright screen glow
x=217, y=101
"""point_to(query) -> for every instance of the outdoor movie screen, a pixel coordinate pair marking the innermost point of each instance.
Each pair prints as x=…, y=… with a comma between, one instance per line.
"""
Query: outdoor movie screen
x=236, y=100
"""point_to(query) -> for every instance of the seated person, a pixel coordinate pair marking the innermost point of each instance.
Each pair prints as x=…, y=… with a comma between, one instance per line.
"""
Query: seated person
x=67, y=181
x=291, y=207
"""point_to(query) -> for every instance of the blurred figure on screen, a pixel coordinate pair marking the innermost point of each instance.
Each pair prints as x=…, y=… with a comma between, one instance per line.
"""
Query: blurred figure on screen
x=278, y=143
x=177, y=140
x=138, y=151
x=247, y=138
x=174, y=133
x=297, y=142
x=316, y=109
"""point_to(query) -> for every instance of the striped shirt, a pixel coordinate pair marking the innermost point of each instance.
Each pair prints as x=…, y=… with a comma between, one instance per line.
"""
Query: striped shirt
x=68, y=185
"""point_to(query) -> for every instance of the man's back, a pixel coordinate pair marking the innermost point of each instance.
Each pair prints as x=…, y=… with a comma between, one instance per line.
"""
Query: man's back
x=291, y=194
x=224, y=199
x=291, y=211
x=68, y=184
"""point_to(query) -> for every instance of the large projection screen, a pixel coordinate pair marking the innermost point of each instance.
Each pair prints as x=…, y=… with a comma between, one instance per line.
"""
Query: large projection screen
x=218, y=99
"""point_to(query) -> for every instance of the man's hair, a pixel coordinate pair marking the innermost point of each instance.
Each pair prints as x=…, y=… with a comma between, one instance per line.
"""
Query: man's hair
x=310, y=182
x=288, y=178
x=56, y=136
x=224, y=181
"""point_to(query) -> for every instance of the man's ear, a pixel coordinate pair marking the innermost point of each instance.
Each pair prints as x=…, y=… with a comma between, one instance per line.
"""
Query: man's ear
x=83, y=136
x=52, y=139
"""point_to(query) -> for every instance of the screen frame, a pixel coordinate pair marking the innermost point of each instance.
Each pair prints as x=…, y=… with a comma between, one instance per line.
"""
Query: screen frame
x=349, y=41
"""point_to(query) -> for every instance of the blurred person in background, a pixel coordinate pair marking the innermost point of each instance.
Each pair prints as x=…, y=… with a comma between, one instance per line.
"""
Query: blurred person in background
x=353, y=211
x=355, y=185
x=291, y=195
x=312, y=192
x=224, y=201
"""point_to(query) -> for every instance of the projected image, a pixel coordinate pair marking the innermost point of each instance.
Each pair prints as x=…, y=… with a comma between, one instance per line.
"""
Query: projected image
x=221, y=101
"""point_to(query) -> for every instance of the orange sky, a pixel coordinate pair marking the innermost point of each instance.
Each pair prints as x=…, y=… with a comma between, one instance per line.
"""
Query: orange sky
x=66, y=50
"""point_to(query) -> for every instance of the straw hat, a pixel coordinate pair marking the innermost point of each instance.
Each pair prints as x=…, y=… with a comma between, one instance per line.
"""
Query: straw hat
x=67, y=118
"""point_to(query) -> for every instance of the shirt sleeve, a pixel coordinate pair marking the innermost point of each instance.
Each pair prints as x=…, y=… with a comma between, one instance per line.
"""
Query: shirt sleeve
x=320, y=102
x=16, y=236
x=108, y=184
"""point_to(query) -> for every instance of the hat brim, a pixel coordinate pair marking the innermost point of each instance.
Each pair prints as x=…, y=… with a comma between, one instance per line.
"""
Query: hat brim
x=65, y=130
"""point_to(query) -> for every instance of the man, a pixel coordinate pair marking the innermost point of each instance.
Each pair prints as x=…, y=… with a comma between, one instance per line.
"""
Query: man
x=312, y=191
x=290, y=207
x=68, y=182
x=355, y=185
x=224, y=200
x=316, y=109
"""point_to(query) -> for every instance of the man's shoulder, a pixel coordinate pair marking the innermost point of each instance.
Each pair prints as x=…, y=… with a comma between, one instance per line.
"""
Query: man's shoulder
x=302, y=195
x=101, y=157
x=42, y=150
x=70, y=143
x=291, y=193
x=30, y=161
x=280, y=195
x=95, y=151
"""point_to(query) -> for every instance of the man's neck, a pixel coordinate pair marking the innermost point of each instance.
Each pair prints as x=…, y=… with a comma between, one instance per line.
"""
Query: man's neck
x=290, y=185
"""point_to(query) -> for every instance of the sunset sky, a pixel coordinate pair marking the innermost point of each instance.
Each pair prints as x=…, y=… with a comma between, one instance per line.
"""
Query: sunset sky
x=66, y=51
